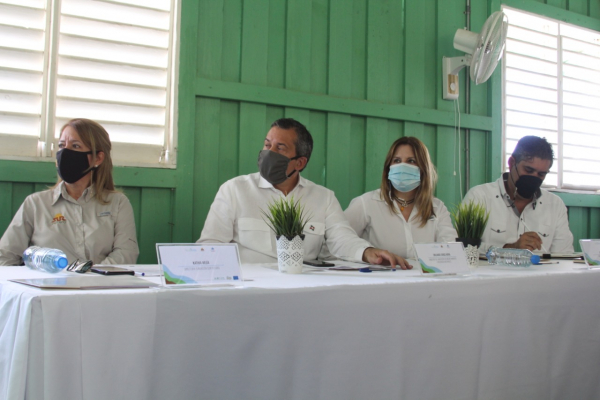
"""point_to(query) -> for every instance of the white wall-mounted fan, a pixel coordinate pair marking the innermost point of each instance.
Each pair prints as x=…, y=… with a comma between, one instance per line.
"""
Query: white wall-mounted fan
x=483, y=49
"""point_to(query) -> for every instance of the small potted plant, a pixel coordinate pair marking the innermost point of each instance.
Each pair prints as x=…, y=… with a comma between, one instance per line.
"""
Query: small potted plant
x=470, y=220
x=286, y=219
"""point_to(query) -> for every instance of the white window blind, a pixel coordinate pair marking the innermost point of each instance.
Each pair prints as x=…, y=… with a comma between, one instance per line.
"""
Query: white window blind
x=107, y=60
x=552, y=89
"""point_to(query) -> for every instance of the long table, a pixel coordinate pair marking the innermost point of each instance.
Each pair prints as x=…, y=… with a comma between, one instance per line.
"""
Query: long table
x=496, y=334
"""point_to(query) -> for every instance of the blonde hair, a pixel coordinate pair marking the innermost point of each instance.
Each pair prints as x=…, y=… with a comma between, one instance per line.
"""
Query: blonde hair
x=424, y=194
x=95, y=137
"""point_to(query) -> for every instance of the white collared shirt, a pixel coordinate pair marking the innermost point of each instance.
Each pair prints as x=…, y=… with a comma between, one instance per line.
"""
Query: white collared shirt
x=83, y=229
x=546, y=215
x=373, y=220
x=235, y=217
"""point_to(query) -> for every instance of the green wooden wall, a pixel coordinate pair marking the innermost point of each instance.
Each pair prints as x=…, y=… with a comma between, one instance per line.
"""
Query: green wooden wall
x=358, y=73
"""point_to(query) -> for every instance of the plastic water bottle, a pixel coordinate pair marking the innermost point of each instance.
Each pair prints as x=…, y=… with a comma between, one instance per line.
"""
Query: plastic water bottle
x=45, y=259
x=511, y=257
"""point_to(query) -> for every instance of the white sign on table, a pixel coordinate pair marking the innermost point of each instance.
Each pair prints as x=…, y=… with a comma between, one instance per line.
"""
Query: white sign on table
x=442, y=258
x=591, y=252
x=199, y=264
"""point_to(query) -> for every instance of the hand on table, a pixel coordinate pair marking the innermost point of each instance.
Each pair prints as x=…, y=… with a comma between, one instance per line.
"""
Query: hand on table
x=528, y=240
x=384, y=257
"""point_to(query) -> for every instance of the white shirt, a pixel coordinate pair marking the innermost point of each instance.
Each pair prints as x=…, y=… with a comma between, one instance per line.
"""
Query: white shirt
x=83, y=229
x=546, y=215
x=235, y=217
x=373, y=220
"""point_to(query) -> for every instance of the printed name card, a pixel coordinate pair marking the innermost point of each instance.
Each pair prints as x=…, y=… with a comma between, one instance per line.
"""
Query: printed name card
x=199, y=264
x=591, y=251
x=442, y=258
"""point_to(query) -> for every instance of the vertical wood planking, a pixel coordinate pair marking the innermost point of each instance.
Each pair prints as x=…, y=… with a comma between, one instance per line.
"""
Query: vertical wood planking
x=213, y=30
x=339, y=126
x=6, y=206
x=19, y=192
x=315, y=170
x=210, y=39
x=414, y=74
x=578, y=6
x=579, y=224
x=155, y=224
x=38, y=187
x=478, y=156
x=449, y=17
x=186, y=115
x=206, y=174
x=298, y=45
x=229, y=129
x=378, y=64
x=557, y=3
x=277, y=44
x=298, y=66
x=255, y=53
x=232, y=40
x=594, y=224
x=594, y=7
x=319, y=46
x=358, y=40
x=134, y=195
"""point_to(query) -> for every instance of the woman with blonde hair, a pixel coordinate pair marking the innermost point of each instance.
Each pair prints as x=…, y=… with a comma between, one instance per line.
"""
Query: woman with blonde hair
x=403, y=210
x=82, y=215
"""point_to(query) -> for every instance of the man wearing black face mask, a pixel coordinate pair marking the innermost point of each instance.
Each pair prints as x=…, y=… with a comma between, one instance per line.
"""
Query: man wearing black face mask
x=522, y=215
x=235, y=215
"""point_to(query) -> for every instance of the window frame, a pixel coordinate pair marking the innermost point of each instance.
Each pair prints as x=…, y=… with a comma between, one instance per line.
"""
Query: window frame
x=166, y=153
x=560, y=17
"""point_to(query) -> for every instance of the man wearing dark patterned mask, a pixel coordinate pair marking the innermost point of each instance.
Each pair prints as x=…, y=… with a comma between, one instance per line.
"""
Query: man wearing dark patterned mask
x=236, y=217
x=522, y=215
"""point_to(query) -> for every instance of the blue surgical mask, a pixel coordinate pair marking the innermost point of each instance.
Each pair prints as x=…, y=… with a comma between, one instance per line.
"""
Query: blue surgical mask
x=404, y=177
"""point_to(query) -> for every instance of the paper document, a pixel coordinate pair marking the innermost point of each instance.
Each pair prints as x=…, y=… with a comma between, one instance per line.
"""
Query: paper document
x=87, y=282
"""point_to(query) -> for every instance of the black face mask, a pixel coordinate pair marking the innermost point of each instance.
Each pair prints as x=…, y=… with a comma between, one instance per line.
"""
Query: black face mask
x=273, y=166
x=72, y=165
x=527, y=185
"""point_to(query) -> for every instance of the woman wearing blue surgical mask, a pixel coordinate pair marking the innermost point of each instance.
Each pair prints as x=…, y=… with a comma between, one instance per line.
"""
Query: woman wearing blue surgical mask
x=403, y=210
x=82, y=215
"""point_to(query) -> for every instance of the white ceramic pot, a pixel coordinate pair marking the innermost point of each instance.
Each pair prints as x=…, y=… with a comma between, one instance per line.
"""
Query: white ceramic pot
x=290, y=254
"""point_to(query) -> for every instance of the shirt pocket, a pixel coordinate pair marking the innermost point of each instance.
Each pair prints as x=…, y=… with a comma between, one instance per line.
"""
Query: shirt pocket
x=254, y=234
x=546, y=233
x=314, y=235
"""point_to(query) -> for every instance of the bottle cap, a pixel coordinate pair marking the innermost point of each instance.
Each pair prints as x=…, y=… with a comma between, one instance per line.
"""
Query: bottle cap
x=60, y=262
x=535, y=259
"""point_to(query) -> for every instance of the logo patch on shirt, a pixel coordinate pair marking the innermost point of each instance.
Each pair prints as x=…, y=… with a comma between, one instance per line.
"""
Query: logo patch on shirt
x=312, y=228
x=59, y=219
x=104, y=214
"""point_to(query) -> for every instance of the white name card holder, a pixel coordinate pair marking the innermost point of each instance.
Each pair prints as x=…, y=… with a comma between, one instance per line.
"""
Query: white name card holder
x=591, y=252
x=442, y=258
x=199, y=264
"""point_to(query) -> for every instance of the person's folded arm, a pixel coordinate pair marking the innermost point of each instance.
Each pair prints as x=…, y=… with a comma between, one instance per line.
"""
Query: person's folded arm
x=357, y=215
x=342, y=240
x=218, y=227
x=445, y=231
x=17, y=237
x=563, y=237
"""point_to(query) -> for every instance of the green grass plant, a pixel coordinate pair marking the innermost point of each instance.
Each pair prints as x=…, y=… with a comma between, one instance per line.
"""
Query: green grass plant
x=470, y=220
x=286, y=217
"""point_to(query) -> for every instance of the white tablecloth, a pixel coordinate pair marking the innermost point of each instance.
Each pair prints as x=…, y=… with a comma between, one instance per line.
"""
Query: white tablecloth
x=519, y=334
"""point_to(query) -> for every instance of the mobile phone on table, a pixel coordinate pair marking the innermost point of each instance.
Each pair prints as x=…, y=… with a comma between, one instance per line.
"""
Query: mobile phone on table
x=318, y=263
x=112, y=271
